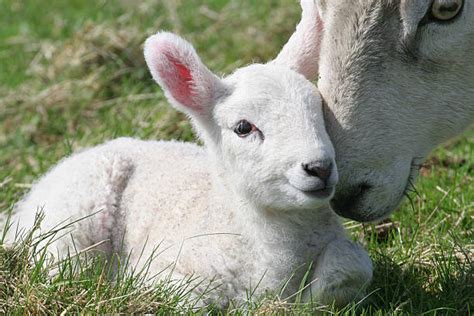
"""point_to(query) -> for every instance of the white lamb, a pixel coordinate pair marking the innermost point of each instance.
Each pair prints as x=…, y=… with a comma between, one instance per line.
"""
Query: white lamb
x=251, y=207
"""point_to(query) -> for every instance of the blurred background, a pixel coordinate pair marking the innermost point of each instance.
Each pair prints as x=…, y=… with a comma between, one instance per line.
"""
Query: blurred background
x=72, y=74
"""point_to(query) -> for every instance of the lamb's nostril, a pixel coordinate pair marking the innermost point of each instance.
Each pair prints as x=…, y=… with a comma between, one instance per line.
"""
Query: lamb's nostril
x=320, y=169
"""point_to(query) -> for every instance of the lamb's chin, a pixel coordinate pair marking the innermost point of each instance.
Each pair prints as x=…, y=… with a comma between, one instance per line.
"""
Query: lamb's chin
x=308, y=199
x=323, y=195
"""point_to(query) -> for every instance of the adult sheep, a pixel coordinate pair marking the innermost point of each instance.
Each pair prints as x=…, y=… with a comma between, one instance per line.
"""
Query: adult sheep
x=397, y=77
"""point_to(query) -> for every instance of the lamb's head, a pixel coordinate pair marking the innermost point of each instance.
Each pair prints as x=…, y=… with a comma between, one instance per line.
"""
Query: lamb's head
x=263, y=125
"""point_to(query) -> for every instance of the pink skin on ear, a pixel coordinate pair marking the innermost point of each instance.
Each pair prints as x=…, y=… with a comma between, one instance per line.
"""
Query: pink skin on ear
x=178, y=79
x=188, y=84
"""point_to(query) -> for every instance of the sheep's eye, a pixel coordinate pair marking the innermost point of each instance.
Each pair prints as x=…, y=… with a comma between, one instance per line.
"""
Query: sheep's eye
x=445, y=10
x=244, y=128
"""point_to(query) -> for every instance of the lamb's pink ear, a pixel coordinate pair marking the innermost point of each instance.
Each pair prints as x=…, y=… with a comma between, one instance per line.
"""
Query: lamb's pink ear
x=176, y=67
x=301, y=53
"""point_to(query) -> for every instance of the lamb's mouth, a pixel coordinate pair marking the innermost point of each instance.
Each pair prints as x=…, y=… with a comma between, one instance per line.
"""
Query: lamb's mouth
x=318, y=190
x=324, y=193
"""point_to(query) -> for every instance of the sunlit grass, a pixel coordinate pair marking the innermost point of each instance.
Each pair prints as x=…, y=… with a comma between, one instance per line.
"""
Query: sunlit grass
x=72, y=75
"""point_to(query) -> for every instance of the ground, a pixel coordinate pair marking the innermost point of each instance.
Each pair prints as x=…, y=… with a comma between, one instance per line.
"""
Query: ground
x=72, y=75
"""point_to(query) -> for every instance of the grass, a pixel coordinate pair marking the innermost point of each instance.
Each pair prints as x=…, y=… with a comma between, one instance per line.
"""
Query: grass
x=72, y=75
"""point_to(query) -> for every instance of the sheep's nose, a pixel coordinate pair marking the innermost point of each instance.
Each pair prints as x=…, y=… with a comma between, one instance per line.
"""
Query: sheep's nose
x=320, y=168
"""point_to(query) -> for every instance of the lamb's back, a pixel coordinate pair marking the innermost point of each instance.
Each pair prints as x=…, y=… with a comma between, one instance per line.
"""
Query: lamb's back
x=170, y=184
x=145, y=177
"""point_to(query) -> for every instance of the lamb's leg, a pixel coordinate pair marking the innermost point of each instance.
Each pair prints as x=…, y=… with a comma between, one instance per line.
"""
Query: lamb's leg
x=341, y=275
x=86, y=188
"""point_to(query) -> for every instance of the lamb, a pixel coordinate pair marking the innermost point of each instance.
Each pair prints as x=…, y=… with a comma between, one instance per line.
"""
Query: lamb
x=250, y=207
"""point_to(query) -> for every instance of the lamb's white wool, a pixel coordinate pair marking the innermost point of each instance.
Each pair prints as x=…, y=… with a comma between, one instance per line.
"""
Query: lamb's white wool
x=398, y=79
x=251, y=209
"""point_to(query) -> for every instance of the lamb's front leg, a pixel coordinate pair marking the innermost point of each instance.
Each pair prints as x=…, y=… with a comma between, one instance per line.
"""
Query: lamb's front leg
x=341, y=275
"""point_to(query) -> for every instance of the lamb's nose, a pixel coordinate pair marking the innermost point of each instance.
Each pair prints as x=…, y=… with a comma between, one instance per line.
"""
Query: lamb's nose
x=319, y=168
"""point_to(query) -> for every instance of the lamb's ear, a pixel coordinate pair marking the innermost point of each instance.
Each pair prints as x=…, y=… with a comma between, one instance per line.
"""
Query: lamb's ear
x=188, y=84
x=301, y=53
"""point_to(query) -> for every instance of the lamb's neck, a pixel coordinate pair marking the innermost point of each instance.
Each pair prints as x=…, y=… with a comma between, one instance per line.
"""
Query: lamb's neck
x=279, y=230
x=280, y=227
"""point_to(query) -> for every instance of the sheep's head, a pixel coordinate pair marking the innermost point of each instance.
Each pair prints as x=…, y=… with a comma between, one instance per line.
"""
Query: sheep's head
x=263, y=124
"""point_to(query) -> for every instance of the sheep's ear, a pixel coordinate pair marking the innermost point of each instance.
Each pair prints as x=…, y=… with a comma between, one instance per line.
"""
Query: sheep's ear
x=301, y=53
x=175, y=66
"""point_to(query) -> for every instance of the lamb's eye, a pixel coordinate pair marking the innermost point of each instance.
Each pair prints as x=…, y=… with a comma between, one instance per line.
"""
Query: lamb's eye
x=445, y=10
x=244, y=128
